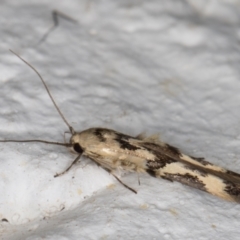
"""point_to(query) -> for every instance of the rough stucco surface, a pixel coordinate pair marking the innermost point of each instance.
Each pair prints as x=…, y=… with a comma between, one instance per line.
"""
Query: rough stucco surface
x=168, y=67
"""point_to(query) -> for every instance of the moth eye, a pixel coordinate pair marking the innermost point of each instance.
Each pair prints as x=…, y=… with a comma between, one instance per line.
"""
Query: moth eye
x=77, y=148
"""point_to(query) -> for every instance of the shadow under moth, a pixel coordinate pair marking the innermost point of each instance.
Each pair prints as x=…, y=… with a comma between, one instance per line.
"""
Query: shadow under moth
x=115, y=151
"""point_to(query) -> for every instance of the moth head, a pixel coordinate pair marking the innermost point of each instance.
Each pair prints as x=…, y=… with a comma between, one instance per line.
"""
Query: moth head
x=84, y=141
x=75, y=143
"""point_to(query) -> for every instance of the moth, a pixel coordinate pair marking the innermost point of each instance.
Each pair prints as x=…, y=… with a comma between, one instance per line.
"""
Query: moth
x=116, y=151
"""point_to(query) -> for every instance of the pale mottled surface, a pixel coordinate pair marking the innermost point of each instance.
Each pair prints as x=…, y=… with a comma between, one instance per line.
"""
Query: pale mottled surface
x=156, y=66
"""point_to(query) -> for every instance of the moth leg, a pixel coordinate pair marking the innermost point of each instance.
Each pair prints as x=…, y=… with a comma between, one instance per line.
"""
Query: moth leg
x=75, y=161
x=126, y=186
x=139, y=183
x=55, y=15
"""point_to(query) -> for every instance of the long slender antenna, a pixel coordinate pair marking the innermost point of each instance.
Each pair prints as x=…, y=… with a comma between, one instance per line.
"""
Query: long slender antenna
x=41, y=141
x=49, y=94
x=56, y=15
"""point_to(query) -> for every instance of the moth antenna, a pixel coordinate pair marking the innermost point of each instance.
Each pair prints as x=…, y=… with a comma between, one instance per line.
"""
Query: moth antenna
x=41, y=141
x=56, y=15
x=49, y=94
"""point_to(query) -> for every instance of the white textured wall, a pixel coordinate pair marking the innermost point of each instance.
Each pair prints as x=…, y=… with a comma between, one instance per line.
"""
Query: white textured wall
x=168, y=67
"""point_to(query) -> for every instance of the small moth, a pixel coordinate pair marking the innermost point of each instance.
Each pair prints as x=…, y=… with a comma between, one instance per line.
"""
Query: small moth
x=114, y=151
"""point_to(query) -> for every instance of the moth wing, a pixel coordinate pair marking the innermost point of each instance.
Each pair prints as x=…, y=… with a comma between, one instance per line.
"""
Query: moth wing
x=161, y=148
x=141, y=136
x=155, y=138
x=172, y=165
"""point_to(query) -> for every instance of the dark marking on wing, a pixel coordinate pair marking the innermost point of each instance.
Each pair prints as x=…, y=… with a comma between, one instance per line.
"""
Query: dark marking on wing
x=123, y=140
x=4, y=220
x=166, y=149
x=187, y=179
x=237, y=175
x=232, y=188
x=196, y=169
x=151, y=172
x=172, y=150
x=201, y=160
x=165, y=178
x=160, y=161
x=99, y=133
x=163, y=155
